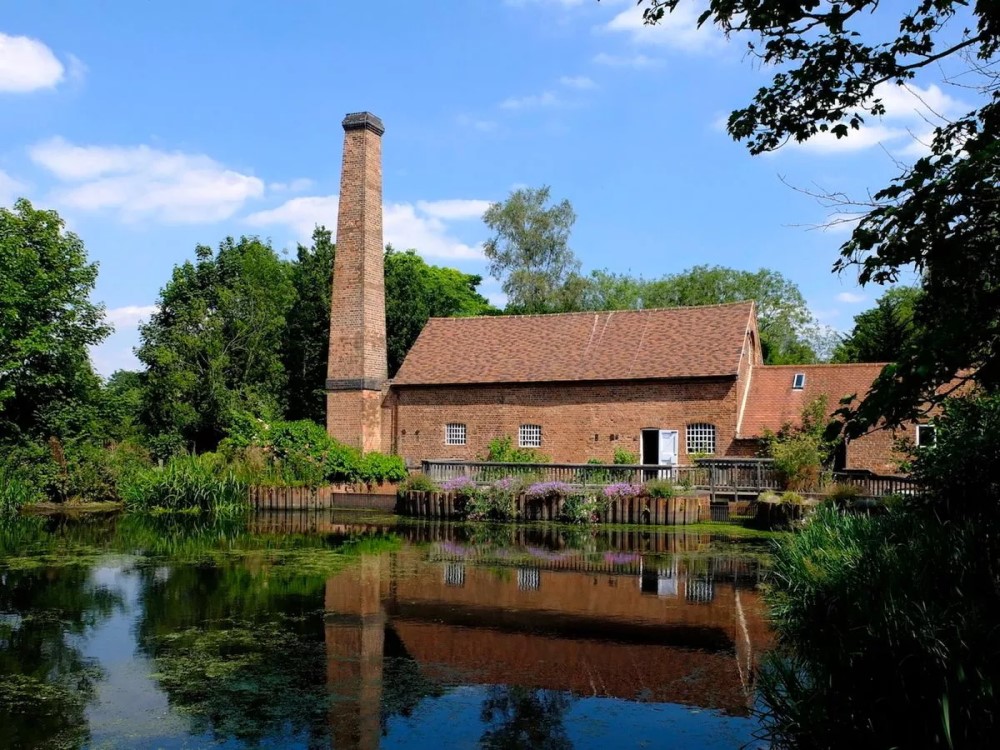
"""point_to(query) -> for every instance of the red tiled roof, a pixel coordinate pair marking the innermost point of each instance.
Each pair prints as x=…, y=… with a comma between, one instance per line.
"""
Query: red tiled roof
x=680, y=342
x=772, y=401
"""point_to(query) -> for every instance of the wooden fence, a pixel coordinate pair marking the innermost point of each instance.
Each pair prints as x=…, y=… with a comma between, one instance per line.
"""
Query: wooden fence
x=724, y=478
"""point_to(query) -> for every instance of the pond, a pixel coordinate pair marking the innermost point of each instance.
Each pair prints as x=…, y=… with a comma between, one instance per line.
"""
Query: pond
x=354, y=630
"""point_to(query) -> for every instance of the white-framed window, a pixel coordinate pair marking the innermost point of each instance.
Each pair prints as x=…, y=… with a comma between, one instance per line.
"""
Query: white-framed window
x=925, y=435
x=529, y=436
x=799, y=381
x=454, y=433
x=701, y=438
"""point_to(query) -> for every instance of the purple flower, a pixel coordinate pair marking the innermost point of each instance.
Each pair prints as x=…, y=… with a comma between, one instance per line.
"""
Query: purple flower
x=506, y=484
x=621, y=490
x=620, y=558
x=458, y=484
x=547, y=489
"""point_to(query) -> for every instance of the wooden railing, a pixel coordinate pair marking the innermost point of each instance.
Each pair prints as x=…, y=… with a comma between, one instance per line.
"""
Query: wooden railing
x=485, y=472
x=730, y=478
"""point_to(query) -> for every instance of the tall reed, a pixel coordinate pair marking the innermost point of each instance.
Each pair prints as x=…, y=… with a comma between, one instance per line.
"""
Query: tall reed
x=15, y=491
x=187, y=483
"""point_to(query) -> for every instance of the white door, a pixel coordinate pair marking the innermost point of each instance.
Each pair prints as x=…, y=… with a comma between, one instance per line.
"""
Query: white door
x=668, y=447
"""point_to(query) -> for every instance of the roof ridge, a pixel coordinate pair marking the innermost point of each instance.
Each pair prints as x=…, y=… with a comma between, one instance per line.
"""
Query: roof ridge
x=595, y=312
x=825, y=364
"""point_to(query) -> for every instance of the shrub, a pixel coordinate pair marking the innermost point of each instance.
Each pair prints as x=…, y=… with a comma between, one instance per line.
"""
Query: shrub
x=418, y=483
x=496, y=502
x=581, y=508
x=843, y=494
x=791, y=498
x=626, y=457
x=593, y=476
x=301, y=452
x=768, y=497
x=661, y=488
x=502, y=450
x=377, y=468
x=798, y=460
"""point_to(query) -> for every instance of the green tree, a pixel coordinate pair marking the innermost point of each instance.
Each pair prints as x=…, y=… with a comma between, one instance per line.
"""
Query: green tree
x=939, y=216
x=529, y=251
x=416, y=291
x=882, y=333
x=306, y=340
x=47, y=323
x=788, y=332
x=213, y=349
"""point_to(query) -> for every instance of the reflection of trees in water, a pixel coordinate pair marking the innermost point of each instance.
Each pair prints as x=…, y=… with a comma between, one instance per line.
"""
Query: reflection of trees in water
x=518, y=717
x=403, y=684
x=244, y=656
x=241, y=654
x=45, y=681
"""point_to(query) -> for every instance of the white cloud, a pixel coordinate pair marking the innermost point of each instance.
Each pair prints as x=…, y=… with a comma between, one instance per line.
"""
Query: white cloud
x=140, y=182
x=10, y=189
x=455, y=209
x=851, y=298
x=295, y=186
x=301, y=215
x=27, y=65
x=129, y=316
x=577, y=82
x=637, y=61
x=423, y=226
x=545, y=99
x=678, y=30
x=906, y=128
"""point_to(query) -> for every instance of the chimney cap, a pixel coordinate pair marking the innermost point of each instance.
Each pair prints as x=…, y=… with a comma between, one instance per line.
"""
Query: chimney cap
x=359, y=120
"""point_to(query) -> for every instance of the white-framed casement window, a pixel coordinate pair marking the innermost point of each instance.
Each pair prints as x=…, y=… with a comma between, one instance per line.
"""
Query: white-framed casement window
x=925, y=435
x=701, y=438
x=454, y=433
x=529, y=436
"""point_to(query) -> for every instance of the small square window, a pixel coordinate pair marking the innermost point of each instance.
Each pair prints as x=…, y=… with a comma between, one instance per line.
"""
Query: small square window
x=925, y=435
x=529, y=436
x=454, y=434
x=799, y=381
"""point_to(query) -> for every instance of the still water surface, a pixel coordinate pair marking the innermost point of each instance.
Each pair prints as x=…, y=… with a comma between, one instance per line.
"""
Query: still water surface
x=359, y=631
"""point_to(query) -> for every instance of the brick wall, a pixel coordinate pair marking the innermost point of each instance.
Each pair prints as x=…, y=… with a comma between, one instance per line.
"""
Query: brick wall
x=579, y=421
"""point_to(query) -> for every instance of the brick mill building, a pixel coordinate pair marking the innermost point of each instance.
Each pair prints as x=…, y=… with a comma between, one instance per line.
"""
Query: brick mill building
x=663, y=384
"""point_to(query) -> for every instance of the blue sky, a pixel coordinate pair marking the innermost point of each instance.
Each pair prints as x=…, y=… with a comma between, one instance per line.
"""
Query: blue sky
x=152, y=127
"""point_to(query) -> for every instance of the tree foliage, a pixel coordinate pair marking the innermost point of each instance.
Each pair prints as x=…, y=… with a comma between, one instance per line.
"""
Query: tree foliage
x=306, y=340
x=788, y=332
x=833, y=62
x=213, y=349
x=47, y=323
x=416, y=291
x=882, y=333
x=529, y=251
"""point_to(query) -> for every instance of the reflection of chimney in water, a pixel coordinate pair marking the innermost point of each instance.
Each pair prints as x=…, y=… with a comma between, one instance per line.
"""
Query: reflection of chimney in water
x=355, y=641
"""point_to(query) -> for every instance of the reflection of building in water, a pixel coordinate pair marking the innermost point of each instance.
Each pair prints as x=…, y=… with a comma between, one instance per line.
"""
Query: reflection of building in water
x=679, y=637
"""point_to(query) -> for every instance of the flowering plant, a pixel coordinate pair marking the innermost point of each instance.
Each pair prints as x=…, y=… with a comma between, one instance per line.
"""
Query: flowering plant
x=462, y=486
x=541, y=490
x=622, y=490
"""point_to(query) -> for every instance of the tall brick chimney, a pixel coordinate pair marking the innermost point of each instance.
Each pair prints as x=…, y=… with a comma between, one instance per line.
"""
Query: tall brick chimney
x=357, y=367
